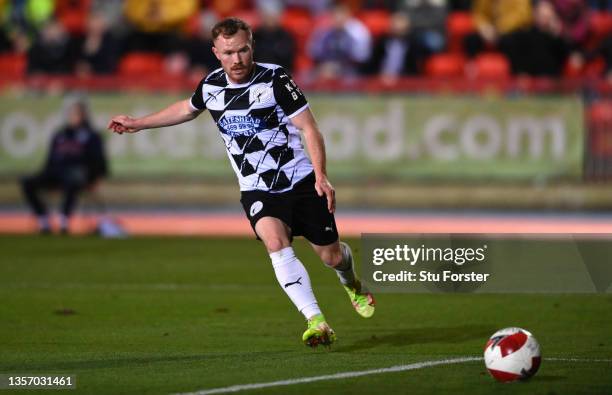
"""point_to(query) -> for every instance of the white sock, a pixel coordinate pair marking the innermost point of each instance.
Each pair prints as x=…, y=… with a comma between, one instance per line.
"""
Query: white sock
x=345, y=270
x=293, y=279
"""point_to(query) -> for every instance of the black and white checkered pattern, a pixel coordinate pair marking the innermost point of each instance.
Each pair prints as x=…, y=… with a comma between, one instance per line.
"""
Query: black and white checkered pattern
x=264, y=147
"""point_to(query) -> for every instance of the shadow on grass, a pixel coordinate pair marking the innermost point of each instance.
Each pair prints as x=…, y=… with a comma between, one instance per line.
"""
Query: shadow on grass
x=404, y=337
x=122, y=362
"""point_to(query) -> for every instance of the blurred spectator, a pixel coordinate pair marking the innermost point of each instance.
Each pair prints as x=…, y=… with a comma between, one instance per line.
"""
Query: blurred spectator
x=543, y=48
x=398, y=53
x=227, y=8
x=499, y=23
x=99, y=49
x=273, y=44
x=315, y=7
x=201, y=56
x=428, y=19
x=51, y=51
x=112, y=11
x=459, y=5
x=574, y=19
x=75, y=161
x=21, y=20
x=341, y=48
x=600, y=5
x=158, y=23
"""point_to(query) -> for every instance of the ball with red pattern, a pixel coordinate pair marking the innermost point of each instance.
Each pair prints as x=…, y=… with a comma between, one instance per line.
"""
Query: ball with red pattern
x=512, y=354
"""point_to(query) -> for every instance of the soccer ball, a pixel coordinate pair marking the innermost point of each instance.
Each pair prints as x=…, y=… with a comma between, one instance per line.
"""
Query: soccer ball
x=512, y=354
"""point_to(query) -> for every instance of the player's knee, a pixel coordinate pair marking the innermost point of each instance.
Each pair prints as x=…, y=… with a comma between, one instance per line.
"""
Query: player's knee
x=276, y=243
x=331, y=257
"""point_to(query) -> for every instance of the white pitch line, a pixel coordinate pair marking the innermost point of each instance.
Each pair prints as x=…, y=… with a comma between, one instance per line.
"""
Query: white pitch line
x=337, y=376
x=346, y=375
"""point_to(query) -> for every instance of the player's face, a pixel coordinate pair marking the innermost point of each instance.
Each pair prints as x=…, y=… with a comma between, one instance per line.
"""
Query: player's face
x=236, y=55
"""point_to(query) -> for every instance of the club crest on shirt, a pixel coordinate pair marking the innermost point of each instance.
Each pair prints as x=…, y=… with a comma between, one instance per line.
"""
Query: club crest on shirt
x=260, y=94
x=239, y=125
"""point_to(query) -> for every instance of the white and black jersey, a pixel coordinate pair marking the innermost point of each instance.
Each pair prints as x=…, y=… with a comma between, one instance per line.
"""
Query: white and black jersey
x=254, y=119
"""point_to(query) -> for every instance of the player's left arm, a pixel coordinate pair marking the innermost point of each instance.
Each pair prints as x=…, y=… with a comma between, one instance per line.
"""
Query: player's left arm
x=316, y=149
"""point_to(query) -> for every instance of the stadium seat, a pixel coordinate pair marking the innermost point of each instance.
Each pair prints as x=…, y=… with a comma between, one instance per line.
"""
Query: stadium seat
x=303, y=63
x=445, y=65
x=601, y=26
x=595, y=68
x=73, y=14
x=377, y=21
x=12, y=66
x=492, y=66
x=250, y=17
x=458, y=25
x=299, y=23
x=141, y=63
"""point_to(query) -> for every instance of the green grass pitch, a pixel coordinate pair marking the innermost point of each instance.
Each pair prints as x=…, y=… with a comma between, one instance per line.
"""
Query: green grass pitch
x=167, y=315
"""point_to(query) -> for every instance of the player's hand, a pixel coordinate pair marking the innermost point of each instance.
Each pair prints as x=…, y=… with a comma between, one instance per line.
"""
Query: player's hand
x=123, y=124
x=323, y=187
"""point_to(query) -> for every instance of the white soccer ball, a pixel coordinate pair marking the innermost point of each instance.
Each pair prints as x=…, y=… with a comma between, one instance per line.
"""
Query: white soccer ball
x=512, y=354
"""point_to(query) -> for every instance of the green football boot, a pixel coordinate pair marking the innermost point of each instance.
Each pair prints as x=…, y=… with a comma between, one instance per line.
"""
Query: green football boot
x=362, y=300
x=318, y=332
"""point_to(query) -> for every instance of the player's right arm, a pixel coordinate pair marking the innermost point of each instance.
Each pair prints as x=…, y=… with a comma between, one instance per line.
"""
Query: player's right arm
x=179, y=112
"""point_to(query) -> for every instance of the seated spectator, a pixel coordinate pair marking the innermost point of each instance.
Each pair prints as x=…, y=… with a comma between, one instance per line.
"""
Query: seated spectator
x=157, y=23
x=51, y=51
x=574, y=19
x=99, y=50
x=316, y=7
x=498, y=24
x=273, y=44
x=342, y=48
x=21, y=21
x=428, y=20
x=75, y=161
x=398, y=53
x=543, y=49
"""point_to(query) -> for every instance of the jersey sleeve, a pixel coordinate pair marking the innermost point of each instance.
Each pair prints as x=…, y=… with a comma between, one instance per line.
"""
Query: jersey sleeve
x=287, y=94
x=197, y=98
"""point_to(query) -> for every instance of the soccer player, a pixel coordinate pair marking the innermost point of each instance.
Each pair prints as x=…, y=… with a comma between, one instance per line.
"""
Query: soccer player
x=259, y=111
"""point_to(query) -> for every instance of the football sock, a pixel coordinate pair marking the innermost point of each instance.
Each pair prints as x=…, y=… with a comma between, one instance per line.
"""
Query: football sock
x=293, y=279
x=345, y=270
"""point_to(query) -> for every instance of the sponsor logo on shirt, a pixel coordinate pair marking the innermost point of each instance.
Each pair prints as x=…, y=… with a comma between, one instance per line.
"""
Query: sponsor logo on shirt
x=240, y=125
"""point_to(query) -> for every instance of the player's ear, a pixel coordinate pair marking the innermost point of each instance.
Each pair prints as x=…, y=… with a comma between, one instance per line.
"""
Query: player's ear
x=216, y=52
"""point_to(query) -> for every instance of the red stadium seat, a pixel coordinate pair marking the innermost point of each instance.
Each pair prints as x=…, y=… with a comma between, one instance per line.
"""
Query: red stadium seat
x=377, y=21
x=12, y=66
x=250, y=17
x=300, y=24
x=601, y=26
x=73, y=14
x=141, y=63
x=458, y=25
x=445, y=65
x=302, y=63
x=492, y=66
x=595, y=68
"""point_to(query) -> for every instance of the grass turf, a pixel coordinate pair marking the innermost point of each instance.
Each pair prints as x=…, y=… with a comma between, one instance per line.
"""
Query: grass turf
x=164, y=315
